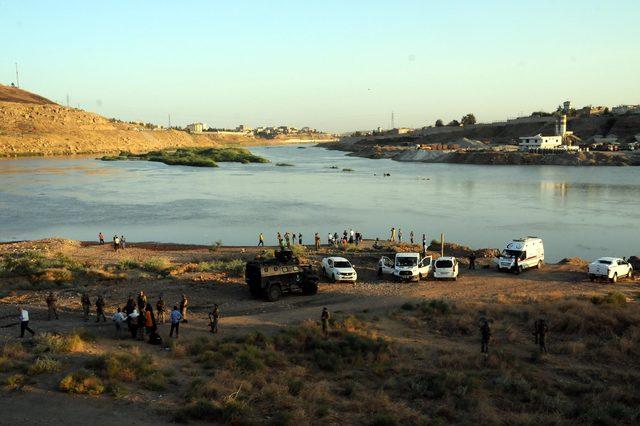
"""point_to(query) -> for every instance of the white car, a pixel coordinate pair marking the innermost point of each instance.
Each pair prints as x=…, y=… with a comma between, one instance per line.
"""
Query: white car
x=445, y=268
x=610, y=268
x=338, y=269
x=406, y=266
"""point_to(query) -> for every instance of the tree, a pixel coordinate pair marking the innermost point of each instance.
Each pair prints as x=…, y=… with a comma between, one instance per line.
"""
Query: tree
x=439, y=123
x=468, y=119
x=454, y=123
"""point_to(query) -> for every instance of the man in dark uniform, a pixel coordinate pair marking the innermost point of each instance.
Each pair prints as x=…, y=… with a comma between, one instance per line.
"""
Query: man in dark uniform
x=485, y=331
x=472, y=260
x=86, y=305
x=161, y=310
x=214, y=316
x=52, y=301
x=100, y=304
x=324, y=317
x=516, y=265
x=540, y=332
x=184, y=302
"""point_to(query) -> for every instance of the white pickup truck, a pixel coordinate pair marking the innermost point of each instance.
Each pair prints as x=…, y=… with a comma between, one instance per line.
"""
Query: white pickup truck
x=406, y=266
x=610, y=268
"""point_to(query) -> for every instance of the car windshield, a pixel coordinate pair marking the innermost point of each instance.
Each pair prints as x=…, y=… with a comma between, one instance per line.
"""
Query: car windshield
x=605, y=262
x=511, y=253
x=341, y=264
x=406, y=261
x=444, y=264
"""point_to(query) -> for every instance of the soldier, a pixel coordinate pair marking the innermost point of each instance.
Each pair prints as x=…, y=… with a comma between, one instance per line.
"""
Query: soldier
x=100, y=304
x=411, y=237
x=142, y=301
x=540, y=330
x=287, y=238
x=160, y=308
x=324, y=317
x=472, y=260
x=317, y=241
x=183, y=307
x=300, y=239
x=485, y=331
x=52, y=300
x=214, y=316
x=86, y=305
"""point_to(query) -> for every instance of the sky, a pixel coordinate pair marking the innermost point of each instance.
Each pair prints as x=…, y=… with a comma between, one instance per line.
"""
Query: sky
x=334, y=65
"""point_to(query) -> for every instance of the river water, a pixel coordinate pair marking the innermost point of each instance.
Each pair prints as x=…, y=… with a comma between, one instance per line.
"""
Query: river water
x=578, y=211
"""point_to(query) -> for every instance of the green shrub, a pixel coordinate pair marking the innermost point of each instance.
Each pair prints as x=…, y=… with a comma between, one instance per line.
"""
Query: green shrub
x=82, y=382
x=196, y=157
x=233, y=267
x=435, y=307
x=15, y=381
x=126, y=264
x=158, y=265
x=58, y=343
x=615, y=298
x=125, y=367
x=43, y=365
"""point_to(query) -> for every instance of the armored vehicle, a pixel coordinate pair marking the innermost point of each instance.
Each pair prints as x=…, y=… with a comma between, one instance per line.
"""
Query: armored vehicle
x=271, y=278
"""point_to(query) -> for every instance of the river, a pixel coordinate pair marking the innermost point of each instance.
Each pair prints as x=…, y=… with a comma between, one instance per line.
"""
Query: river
x=578, y=211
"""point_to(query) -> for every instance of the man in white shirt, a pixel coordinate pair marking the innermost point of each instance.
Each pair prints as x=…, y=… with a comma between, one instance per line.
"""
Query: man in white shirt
x=24, y=322
x=119, y=319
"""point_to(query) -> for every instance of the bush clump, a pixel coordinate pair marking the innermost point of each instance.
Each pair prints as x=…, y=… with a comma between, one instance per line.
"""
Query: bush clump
x=82, y=382
x=195, y=157
x=234, y=267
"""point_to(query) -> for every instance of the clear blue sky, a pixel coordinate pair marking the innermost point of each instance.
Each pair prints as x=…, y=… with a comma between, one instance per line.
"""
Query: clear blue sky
x=335, y=65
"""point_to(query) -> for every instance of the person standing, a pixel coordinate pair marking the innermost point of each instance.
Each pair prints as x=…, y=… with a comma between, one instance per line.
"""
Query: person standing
x=52, y=310
x=329, y=239
x=86, y=305
x=123, y=242
x=540, y=332
x=424, y=245
x=472, y=260
x=485, y=332
x=393, y=235
x=119, y=319
x=100, y=309
x=287, y=238
x=317, y=241
x=160, y=309
x=176, y=317
x=324, y=318
x=516, y=264
x=184, y=302
x=149, y=320
x=293, y=239
x=132, y=319
x=411, y=236
x=352, y=236
x=261, y=240
x=142, y=301
x=214, y=317
x=399, y=235
x=24, y=322
x=116, y=242
x=101, y=238
x=300, y=238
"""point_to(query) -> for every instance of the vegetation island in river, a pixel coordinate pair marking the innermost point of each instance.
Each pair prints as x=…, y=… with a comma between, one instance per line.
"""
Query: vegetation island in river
x=196, y=157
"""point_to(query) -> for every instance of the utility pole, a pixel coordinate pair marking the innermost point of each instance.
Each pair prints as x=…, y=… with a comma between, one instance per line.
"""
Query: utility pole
x=393, y=121
x=17, y=77
x=169, y=121
x=67, y=100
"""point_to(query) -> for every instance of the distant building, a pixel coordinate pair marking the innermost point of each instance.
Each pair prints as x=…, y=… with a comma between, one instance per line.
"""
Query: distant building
x=195, y=127
x=400, y=131
x=540, y=142
x=566, y=107
x=590, y=110
x=243, y=128
x=624, y=109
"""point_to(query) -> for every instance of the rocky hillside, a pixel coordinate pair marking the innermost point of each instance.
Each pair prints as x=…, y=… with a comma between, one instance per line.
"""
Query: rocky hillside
x=31, y=125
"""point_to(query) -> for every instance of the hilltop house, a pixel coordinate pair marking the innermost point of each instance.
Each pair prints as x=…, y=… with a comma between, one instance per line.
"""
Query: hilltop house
x=195, y=127
x=540, y=142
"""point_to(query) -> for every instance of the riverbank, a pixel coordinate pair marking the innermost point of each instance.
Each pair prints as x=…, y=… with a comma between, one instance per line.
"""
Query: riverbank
x=500, y=155
x=395, y=353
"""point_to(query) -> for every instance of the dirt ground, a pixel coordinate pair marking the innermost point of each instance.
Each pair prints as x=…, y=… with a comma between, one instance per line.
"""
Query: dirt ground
x=241, y=314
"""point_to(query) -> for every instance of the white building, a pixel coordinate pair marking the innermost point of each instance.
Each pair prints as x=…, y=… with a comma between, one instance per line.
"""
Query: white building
x=540, y=142
x=195, y=127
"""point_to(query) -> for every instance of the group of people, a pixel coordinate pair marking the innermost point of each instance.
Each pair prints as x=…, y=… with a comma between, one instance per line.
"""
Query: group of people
x=347, y=237
x=288, y=239
x=137, y=316
x=540, y=330
x=119, y=242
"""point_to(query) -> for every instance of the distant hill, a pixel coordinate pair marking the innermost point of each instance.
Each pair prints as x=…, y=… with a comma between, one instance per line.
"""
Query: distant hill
x=13, y=94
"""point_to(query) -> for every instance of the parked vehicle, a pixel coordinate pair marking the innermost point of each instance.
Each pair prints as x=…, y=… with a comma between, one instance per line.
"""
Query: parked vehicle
x=610, y=268
x=285, y=273
x=529, y=251
x=406, y=266
x=445, y=268
x=338, y=269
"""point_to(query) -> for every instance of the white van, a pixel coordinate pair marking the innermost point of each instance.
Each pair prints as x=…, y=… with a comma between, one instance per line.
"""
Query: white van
x=528, y=251
x=445, y=267
x=406, y=266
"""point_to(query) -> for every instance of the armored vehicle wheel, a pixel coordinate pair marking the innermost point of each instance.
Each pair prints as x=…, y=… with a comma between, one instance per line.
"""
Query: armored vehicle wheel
x=274, y=292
